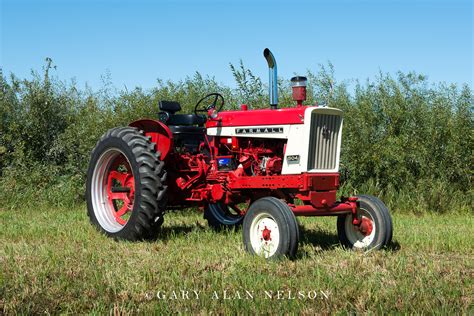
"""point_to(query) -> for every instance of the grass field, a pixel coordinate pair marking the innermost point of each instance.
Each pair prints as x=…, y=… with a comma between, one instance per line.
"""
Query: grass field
x=53, y=261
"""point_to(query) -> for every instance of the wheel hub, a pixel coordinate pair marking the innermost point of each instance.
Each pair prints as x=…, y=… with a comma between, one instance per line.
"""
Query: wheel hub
x=120, y=193
x=366, y=226
x=360, y=230
x=266, y=234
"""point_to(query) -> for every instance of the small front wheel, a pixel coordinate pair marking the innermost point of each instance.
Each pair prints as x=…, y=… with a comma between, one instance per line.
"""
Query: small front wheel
x=270, y=229
x=374, y=230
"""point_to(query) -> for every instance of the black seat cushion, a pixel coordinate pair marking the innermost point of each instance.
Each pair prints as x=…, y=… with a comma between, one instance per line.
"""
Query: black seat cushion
x=186, y=119
x=169, y=106
x=195, y=130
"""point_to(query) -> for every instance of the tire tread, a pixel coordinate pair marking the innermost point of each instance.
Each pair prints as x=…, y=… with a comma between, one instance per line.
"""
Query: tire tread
x=147, y=216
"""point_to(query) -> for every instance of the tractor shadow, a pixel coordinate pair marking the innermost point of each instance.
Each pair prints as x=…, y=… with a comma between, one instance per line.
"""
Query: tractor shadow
x=318, y=238
x=394, y=246
x=322, y=241
x=167, y=233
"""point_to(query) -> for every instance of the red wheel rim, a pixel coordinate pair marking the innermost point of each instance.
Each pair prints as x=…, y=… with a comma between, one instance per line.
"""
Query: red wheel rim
x=112, y=190
x=120, y=189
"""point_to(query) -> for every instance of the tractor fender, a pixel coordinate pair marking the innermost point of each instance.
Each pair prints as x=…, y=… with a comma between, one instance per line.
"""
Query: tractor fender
x=160, y=134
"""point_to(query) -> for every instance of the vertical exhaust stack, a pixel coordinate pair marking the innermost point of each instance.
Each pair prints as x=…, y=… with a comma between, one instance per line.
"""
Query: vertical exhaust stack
x=273, y=79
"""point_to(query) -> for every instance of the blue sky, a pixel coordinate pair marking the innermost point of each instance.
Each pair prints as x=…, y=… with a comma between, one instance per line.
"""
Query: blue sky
x=140, y=41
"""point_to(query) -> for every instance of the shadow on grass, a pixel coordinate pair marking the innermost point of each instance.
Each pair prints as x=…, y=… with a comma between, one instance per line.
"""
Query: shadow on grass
x=394, y=246
x=324, y=241
x=319, y=238
x=174, y=232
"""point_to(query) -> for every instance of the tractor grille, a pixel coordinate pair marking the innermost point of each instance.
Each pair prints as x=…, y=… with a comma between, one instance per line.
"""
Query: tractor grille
x=324, y=135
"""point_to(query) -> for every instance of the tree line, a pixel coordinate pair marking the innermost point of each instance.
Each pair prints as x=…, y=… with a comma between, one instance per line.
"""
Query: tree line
x=405, y=139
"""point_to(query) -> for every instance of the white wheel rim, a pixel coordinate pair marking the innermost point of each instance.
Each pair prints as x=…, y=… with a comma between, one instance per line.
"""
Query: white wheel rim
x=264, y=235
x=102, y=210
x=355, y=237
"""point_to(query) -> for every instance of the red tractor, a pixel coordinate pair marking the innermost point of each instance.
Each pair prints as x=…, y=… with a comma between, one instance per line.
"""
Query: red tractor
x=255, y=168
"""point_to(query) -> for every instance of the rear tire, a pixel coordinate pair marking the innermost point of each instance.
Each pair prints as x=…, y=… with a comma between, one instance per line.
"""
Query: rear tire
x=376, y=229
x=125, y=190
x=270, y=229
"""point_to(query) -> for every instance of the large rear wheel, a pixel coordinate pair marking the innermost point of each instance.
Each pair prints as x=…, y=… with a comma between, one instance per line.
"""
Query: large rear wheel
x=125, y=185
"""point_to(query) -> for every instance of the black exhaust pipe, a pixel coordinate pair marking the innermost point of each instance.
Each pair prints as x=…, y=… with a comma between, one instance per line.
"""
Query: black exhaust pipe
x=273, y=79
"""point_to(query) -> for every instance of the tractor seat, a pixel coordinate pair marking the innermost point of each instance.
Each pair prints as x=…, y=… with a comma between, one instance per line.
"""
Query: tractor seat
x=169, y=106
x=181, y=123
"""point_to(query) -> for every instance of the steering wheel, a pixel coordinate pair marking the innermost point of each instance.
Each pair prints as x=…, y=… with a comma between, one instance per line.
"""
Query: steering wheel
x=205, y=109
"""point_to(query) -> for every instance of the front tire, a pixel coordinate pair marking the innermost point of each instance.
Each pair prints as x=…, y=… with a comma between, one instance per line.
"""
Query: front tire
x=125, y=188
x=270, y=229
x=375, y=230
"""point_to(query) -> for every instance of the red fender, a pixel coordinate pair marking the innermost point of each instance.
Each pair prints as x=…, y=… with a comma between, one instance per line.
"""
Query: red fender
x=160, y=134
